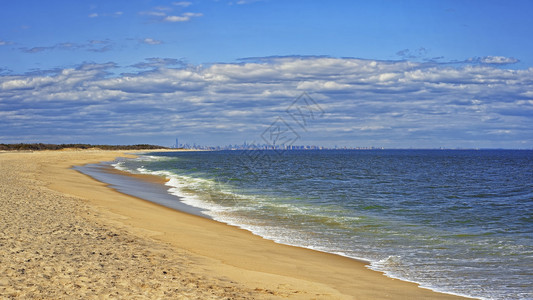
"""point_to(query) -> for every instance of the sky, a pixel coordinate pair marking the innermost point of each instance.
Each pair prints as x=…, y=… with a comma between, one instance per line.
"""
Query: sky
x=393, y=74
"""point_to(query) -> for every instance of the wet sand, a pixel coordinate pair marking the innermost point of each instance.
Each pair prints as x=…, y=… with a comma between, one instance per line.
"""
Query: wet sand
x=66, y=235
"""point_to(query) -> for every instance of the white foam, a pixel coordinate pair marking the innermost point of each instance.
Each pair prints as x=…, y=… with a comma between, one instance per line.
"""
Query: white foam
x=120, y=166
x=150, y=158
x=195, y=192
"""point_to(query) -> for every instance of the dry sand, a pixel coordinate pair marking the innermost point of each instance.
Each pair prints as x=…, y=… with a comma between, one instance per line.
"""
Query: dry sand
x=64, y=235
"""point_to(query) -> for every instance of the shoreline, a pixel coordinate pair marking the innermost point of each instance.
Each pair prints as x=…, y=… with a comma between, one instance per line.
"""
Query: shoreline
x=143, y=186
x=257, y=265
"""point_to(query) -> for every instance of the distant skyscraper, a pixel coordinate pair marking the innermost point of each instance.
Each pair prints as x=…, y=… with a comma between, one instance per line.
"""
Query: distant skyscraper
x=177, y=145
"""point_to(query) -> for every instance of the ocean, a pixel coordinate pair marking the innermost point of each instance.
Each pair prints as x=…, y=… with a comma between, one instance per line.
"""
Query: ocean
x=454, y=221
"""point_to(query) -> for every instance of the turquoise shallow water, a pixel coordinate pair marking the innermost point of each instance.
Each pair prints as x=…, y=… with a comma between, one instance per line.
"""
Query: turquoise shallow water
x=454, y=221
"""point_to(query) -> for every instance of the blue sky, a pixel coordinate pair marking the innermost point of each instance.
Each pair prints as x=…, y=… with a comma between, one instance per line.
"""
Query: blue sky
x=384, y=73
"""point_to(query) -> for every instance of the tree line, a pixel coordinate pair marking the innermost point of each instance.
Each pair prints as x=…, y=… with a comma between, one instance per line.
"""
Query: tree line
x=41, y=146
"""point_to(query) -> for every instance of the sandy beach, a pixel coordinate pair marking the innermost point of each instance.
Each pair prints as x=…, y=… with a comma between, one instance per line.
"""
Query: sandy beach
x=64, y=235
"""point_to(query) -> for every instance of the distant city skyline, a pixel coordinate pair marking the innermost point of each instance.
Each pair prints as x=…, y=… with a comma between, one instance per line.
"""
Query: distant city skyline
x=245, y=146
x=392, y=74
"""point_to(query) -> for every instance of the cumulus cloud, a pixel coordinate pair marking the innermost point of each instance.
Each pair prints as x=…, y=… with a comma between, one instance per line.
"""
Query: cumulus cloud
x=176, y=19
x=366, y=102
x=163, y=13
x=495, y=60
x=182, y=18
x=156, y=62
x=151, y=41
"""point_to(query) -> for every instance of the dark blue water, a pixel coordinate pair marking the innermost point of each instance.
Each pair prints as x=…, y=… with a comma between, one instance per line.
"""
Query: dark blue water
x=453, y=221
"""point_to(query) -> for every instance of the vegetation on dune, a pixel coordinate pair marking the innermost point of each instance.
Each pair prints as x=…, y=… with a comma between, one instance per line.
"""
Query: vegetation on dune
x=40, y=146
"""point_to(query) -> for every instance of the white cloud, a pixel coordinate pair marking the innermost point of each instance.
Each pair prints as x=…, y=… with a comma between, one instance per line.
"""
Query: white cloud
x=402, y=102
x=156, y=62
x=190, y=14
x=115, y=14
x=182, y=18
x=176, y=19
x=496, y=60
x=161, y=13
x=25, y=83
x=151, y=41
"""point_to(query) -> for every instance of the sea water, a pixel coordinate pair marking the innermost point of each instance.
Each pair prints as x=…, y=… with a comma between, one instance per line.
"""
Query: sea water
x=454, y=221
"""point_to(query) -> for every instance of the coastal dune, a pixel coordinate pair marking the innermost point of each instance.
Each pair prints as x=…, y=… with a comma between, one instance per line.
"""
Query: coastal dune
x=66, y=235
